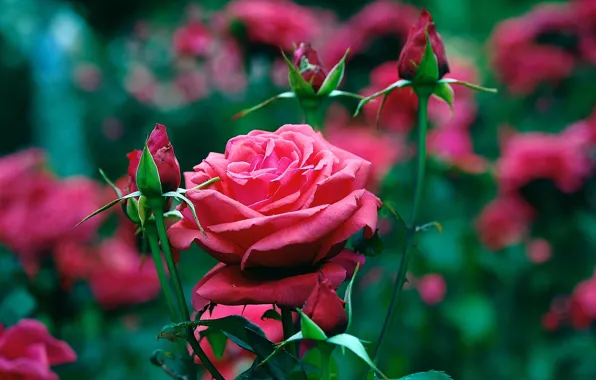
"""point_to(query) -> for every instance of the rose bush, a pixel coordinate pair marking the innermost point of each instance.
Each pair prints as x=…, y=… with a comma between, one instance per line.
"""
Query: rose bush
x=287, y=200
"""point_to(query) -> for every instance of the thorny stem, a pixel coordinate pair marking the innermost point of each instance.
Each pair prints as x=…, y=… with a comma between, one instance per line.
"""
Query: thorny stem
x=403, y=265
x=157, y=208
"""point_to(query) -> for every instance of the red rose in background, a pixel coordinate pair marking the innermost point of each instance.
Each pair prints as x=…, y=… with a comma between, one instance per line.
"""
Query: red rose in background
x=236, y=360
x=192, y=39
x=307, y=62
x=279, y=23
x=286, y=199
x=162, y=152
x=37, y=210
x=504, y=222
x=432, y=288
x=27, y=350
x=413, y=51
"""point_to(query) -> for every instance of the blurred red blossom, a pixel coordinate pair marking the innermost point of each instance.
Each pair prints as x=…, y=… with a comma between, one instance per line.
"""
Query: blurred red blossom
x=192, y=39
x=537, y=155
x=524, y=57
x=236, y=360
x=279, y=23
x=375, y=20
x=117, y=274
x=432, y=288
x=504, y=222
x=539, y=251
x=454, y=146
x=37, y=210
x=27, y=351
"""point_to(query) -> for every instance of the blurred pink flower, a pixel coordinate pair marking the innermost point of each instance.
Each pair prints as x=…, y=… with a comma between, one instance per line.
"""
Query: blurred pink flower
x=279, y=23
x=378, y=19
x=520, y=61
x=530, y=156
x=504, y=222
x=539, y=251
x=235, y=360
x=399, y=111
x=192, y=39
x=27, y=350
x=454, y=147
x=87, y=76
x=432, y=288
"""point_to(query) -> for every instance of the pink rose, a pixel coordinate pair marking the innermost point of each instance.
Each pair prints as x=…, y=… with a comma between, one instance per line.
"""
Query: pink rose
x=286, y=199
x=27, y=350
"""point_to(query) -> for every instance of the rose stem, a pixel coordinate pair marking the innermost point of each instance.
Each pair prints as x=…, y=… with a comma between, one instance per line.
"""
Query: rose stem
x=423, y=96
x=157, y=208
x=326, y=350
x=288, y=326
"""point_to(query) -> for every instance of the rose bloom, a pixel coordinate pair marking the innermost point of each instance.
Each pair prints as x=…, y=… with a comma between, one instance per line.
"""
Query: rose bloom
x=504, y=222
x=531, y=156
x=399, y=111
x=236, y=360
x=27, y=350
x=117, y=274
x=287, y=200
x=47, y=208
x=381, y=18
x=279, y=23
x=521, y=60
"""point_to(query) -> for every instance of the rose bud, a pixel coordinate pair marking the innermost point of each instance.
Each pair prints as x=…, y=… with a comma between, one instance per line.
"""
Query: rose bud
x=162, y=153
x=415, y=46
x=325, y=308
x=307, y=62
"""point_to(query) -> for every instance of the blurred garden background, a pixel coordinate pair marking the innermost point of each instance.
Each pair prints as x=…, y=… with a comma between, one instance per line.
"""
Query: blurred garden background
x=507, y=290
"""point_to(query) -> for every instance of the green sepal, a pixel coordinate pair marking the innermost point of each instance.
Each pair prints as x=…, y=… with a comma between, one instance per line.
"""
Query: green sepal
x=336, y=93
x=444, y=92
x=399, y=84
x=427, y=226
x=310, y=330
x=469, y=85
x=112, y=203
x=427, y=72
x=109, y=182
x=355, y=345
x=148, y=181
x=143, y=209
x=189, y=203
x=334, y=78
x=217, y=340
x=348, y=297
x=200, y=186
x=299, y=85
x=132, y=211
x=271, y=314
x=283, y=95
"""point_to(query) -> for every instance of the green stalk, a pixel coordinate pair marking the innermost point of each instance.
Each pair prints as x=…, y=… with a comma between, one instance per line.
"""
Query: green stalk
x=326, y=352
x=151, y=234
x=288, y=326
x=157, y=208
x=311, y=109
x=403, y=265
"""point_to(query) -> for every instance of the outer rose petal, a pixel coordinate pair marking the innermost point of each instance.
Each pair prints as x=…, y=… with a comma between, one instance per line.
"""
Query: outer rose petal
x=229, y=285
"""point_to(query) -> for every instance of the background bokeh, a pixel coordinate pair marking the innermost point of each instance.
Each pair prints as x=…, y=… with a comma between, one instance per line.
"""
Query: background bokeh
x=506, y=291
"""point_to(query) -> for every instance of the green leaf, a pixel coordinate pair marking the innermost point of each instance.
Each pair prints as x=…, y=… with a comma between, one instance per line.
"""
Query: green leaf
x=428, y=70
x=335, y=93
x=271, y=314
x=299, y=85
x=234, y=327
x=334, y=78
x=148, y=181
x=310, y=330
x=17, y=305
x=114, y=187
x=468, y=85
x=188, y=202
x=353, y=344
x=112, y=203
x=217, y=340
x=348, y=297
x=283, y=95
x=430, y=375
x=399, y=84
x=443, y=91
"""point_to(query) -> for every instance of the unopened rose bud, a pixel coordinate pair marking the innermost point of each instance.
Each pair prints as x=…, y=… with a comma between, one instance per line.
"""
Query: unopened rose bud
x=325, y=308
x=415, y=46
x=307, y=61
x=162, y=152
